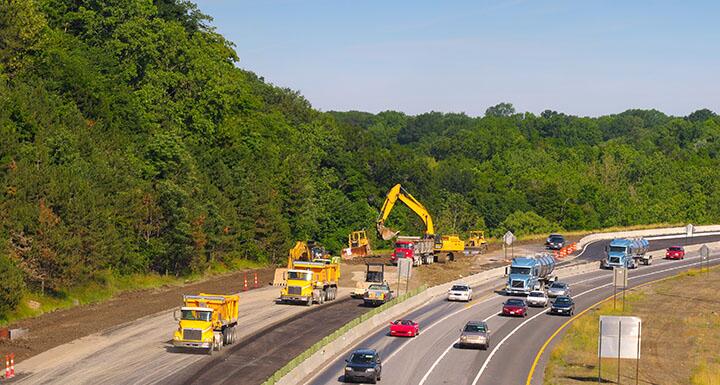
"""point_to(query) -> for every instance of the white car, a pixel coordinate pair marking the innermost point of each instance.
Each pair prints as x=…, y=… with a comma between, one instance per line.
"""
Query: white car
x=537, y=298
x=460, y=292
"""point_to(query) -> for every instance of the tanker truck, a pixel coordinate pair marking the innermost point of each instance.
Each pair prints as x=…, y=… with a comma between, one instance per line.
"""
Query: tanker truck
x=530, y=273
x=628, y=253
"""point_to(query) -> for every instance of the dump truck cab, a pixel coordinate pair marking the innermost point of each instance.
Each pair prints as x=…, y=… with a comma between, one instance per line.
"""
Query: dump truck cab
x=207, y=321
x=313, y=281
x=374, y=273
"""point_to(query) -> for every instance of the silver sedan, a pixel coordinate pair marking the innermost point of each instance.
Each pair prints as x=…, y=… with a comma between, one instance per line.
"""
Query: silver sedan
x=557, y=289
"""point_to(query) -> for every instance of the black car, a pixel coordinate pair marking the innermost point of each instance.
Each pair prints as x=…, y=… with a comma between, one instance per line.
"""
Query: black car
x=363, y=366
x=563, y=305
x=555, y=242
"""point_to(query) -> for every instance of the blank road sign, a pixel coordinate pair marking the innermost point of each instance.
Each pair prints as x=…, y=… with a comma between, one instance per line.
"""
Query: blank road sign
x=704, y=252
x=620, y=337
x=620, y=277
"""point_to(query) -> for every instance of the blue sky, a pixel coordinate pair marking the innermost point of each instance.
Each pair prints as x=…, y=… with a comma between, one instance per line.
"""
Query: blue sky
x=579, y=57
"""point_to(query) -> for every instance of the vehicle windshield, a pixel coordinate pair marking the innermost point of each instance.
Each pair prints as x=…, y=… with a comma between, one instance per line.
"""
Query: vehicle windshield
x=557, y=286
x=196, y=315
x=675, y=248
x=519, y=270
x=362, y=358
x=562, y=301
x=459, y=288
x=403, y=322
x=402, y=245
x=617, y=249
x=514, y=302
x=377, y=287
x=299, y=275
x=475, y=328
x=536, y=294
x=556, y=238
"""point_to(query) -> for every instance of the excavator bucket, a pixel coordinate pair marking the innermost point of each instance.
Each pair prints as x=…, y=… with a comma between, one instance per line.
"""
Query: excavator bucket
x=385, y=232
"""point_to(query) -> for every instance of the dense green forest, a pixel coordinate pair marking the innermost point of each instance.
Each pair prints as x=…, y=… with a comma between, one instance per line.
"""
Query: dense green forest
x=130, y=141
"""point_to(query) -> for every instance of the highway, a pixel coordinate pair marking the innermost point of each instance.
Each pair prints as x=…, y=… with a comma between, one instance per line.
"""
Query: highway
x=433, y=358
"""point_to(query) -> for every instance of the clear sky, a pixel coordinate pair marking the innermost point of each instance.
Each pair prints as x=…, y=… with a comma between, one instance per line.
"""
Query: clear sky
x=573, y=56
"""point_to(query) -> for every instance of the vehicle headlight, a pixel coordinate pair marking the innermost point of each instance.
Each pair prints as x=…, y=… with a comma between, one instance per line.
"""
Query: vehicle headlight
x=370, y=369
x=463, y=337
x=347, y=369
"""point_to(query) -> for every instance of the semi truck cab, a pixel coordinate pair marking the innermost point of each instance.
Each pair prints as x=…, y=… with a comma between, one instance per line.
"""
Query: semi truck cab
x=620, y=254
x=529, y=273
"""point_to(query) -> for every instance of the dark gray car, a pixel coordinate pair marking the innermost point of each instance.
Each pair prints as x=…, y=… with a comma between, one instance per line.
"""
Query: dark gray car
x=363, y=366
x=475, y=334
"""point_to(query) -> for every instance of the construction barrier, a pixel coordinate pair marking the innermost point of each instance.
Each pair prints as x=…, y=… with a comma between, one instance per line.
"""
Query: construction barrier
x=9, y=365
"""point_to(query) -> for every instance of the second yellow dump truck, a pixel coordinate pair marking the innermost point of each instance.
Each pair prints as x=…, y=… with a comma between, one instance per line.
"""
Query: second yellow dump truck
x=312, y=281
x=207, y=321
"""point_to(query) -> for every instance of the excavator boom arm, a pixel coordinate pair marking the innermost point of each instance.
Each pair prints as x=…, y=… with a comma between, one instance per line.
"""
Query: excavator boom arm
x=395, y=193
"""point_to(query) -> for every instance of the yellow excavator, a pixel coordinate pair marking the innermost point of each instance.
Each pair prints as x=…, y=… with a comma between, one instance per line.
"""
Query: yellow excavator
x=447, y=246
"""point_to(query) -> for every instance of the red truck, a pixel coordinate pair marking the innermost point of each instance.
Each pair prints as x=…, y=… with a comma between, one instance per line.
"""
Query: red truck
x=420, y=250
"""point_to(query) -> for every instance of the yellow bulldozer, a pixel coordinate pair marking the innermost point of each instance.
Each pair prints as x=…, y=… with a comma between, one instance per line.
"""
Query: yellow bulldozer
x=476, y=241
x=358, y=245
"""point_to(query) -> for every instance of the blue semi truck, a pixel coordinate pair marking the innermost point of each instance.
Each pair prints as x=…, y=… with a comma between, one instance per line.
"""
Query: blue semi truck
x=628, y=253
x=530, y=273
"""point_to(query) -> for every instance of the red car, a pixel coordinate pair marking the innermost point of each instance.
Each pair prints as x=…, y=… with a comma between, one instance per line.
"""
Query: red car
x=675, y=252
x=515, y=307
x=404, y=327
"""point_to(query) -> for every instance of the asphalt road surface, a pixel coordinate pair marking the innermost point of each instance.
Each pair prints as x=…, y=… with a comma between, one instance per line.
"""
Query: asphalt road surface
x=433, y=357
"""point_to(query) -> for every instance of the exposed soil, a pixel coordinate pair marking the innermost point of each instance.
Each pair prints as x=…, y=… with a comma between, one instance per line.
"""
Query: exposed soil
x=59, y=327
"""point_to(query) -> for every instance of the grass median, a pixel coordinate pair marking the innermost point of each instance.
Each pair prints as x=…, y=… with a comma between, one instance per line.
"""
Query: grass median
x=681, y=335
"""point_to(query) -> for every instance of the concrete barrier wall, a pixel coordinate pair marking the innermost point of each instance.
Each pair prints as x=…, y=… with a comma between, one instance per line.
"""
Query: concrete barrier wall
x=338, y=347
x=643, y=233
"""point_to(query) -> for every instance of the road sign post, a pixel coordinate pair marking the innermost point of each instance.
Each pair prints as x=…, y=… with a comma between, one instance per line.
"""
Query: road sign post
x=619, y=337
x=705, y=257
x=404, y=270
x=620, y=279
x=508, y=239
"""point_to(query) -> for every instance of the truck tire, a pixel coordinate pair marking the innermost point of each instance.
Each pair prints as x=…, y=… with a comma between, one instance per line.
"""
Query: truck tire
x=225, y=336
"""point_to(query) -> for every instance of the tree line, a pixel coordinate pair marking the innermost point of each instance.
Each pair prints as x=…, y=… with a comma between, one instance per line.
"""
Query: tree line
x=131, y=142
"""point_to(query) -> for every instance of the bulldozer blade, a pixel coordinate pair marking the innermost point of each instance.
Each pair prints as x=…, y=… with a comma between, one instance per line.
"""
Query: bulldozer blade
x=279, y=278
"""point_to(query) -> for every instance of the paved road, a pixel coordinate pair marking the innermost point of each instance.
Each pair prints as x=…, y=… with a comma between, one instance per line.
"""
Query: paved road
x=140, y=352
x=433, y=358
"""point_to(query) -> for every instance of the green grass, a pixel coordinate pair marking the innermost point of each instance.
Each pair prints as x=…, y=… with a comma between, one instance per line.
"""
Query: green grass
x=336, y=334
x=105, y=285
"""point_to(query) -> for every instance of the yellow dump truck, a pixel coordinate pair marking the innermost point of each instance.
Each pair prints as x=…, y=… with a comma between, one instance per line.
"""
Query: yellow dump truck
x=206, y=321
x=313, y=281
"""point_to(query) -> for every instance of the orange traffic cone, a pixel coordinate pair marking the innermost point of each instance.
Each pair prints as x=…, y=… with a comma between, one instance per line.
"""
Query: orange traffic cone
x=245, y=285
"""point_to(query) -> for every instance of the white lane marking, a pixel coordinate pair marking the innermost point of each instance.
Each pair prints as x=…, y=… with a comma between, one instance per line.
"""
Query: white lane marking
x=427, y=374
x=492, y=353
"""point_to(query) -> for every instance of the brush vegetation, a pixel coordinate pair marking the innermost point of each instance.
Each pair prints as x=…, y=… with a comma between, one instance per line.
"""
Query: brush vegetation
x=131, y=142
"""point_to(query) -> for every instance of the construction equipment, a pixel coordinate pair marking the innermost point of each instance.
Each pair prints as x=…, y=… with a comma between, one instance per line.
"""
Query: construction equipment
x=447, y=247
x=476, y=241
x=374, y=273
x=358, y=245
x=444, y=247
x=302, y=251
x=312, y=281
x=207, y=321
x=395, y=193
x=418, y=249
